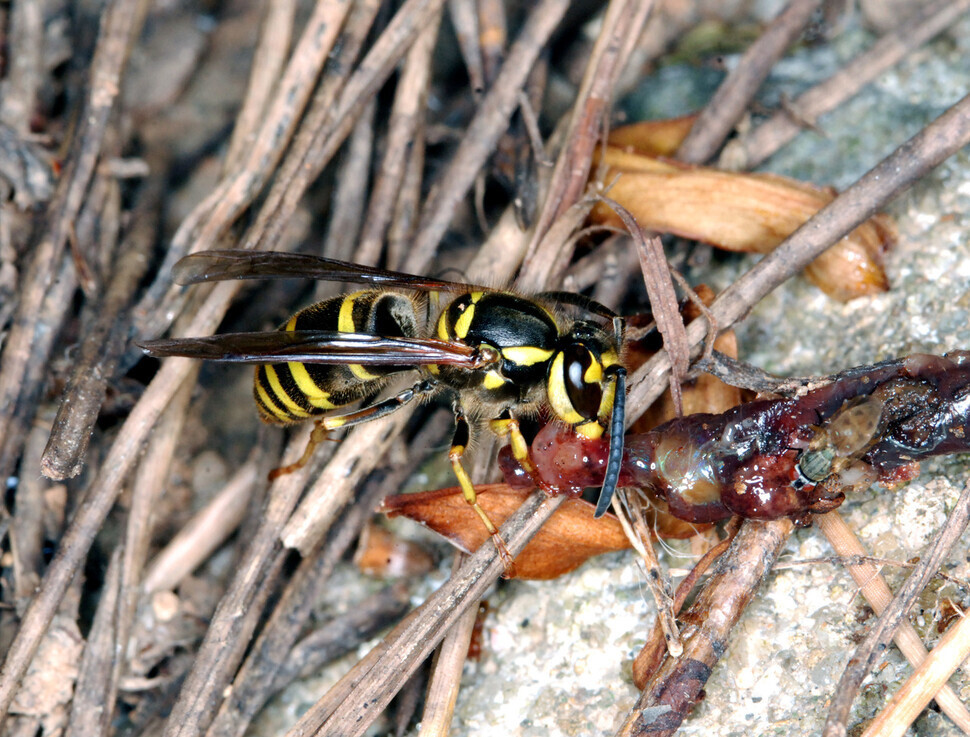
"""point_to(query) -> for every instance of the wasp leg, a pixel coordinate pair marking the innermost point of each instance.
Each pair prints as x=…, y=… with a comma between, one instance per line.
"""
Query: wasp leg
x=458, y=445
x=365, y=414
x=507, y=428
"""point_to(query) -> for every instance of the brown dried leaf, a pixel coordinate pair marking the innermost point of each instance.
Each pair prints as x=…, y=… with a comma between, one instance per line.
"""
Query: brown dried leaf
x=570, y=537
x=380, y=553
x=653, y=137
x=743, y=212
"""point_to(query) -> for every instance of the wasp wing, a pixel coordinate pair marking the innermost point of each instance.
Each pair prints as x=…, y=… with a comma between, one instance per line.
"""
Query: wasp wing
x=324, y=347
x=233, y=264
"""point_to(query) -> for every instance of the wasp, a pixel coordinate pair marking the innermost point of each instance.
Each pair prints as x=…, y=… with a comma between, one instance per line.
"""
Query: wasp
x=498, y=354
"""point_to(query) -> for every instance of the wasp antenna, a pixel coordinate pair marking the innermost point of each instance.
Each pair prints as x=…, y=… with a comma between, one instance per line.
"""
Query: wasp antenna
x=617, y=431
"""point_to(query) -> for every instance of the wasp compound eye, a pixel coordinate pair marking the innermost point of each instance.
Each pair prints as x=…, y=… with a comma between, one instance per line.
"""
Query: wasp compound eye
x=582, y=375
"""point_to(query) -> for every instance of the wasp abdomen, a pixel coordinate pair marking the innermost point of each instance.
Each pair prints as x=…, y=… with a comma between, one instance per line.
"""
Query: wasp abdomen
x=293, y=392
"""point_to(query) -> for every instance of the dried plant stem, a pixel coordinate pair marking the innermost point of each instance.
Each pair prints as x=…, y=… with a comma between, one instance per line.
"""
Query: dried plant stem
x=269, y=60
x=121, y=23
x=879, y=636
x=375, y=680
x=266, y=669
x=446, y=670
x=92, y=708
x=102, y=345
x=879, y=595
x=328, y=124
x=922, y=687
x=484, y=131
x=407, y=118
x=544, y=264
x=203, y=226
x=204, y=533
x=898, y=171
x=101, y=495
x=725, y=109
x=675, y=686
x=929, y=20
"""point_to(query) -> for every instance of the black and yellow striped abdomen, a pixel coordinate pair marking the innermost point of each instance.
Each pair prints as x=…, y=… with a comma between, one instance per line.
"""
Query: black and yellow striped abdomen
x=292, y=392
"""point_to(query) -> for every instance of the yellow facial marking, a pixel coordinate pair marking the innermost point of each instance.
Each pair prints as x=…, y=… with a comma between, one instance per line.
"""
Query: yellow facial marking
x=280, y=393
x=526, y=355
x=606, y=403
x=314, y=394
x=589, y=429
x=594, y=374
x=493, y=380
x=558, y=396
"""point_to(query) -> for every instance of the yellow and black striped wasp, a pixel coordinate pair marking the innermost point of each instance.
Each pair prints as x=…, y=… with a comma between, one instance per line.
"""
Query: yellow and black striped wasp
x=498, y=354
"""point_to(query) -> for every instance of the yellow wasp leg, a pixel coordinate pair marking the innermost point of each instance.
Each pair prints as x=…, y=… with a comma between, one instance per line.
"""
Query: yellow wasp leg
x=458, y=446
x=508, y=428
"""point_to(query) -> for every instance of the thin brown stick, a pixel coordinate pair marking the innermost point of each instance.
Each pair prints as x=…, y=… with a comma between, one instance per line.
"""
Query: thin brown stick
x=898, y=171
x=407, y=114
x=204, y=533
x=484, y=131
x=675, y=687
x=262, y=675
x=343, y=635
x=650, y=657
x=663, y=303
x=919, y=689
x=203, y=226
x=929, y=20
x=121, y=23
x=463, y=15
x=268, y=63
x=877, y=593
x=23, y=76
x=92, y=708
x=327, y=126
x=350, y=194
x=103, y=492
x=102, y=345
x=870, y=649
x=722, y=113
x=446, y=667
x=375, y=679
x=624, y=19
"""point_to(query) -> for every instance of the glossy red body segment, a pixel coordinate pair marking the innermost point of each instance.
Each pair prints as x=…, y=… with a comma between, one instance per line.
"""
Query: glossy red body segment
x=752, y=459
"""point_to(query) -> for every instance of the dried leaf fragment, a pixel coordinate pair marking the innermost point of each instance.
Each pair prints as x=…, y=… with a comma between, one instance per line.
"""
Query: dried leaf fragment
x=742, y=212
x=562, y=545
x=380, y=553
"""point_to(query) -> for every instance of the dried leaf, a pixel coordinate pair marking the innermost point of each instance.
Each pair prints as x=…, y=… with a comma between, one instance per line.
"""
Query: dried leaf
x=743, y=212
x=380, y=553
x=563, y=544
x=653, y=137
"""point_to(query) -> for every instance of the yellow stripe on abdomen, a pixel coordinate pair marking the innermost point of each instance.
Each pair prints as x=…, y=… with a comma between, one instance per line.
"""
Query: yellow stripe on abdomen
x=308, y=387
x=269, y=410
x=279, y=392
